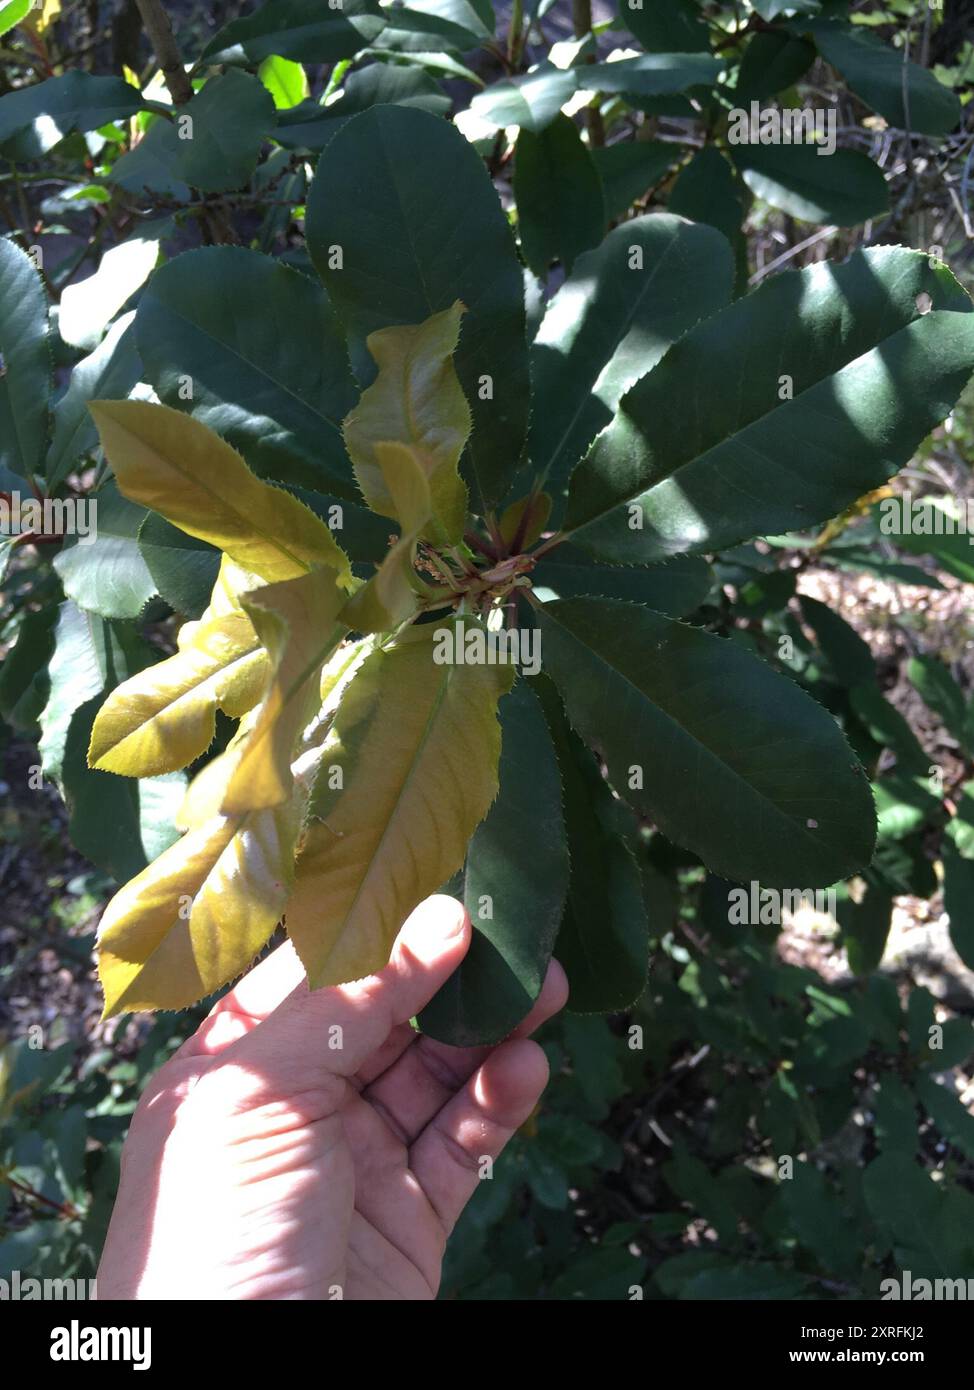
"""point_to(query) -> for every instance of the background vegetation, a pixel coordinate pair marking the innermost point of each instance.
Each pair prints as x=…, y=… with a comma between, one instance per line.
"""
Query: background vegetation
x=655, y=1159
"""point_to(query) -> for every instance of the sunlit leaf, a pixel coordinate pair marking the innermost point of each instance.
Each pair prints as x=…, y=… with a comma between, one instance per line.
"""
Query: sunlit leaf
x=176, y=466
x=409, y=769
x=416, y=399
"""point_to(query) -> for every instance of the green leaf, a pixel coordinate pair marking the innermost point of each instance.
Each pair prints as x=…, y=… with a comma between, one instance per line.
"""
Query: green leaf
x=816, y=1217
x=13, y=12
x=25, y=383
x=433, y=24
x=310, y=126
x=848, y=655
x=938, y=689
x=88, y=306
x=908, y=96
x=865, y=928
x=287, y=82
x=603, y=937
x=120, y=824
x=416, y=745
x=626, y=302
x=895, y=1108
x=179, y=468
x=678, y=709
x=225, y=333
x=105, y=572
x=916, y=1215
x=843, y=189
x=90, y=657
x=531, y=100
x=415, y=400
x=230, y=118
x=24, y=682
x=35, y=119
x=560, y=207
x=951, y=1117
x=629, y=169
x=772, y=61
x=960, y=828
x=304, y=30
x=674, y=589
x=951, y=550
x=676, y=27
x=112, y=370
x=652, y=74
x=395, y=177
x=888, y=727
x=870, y=376
x=903, y=804
x=707, y=190
x=903, y=867
x=959, y=902
x=773, y=9
x=183, y=568
x=514, y=899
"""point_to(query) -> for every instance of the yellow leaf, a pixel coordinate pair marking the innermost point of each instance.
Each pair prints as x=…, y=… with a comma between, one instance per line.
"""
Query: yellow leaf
x=528, y=516
x=392, y=594
x=45, y=13
x=296, y=621
x=177, y=466
x=197, y=916
x=416, y=399
x=165, y=716
x=408, y=770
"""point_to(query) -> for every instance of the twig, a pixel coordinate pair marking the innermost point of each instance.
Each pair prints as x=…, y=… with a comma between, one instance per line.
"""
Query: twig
x=166, y=49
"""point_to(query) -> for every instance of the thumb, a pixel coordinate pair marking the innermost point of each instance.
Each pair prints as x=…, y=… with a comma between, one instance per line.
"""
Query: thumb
x=335, y=1030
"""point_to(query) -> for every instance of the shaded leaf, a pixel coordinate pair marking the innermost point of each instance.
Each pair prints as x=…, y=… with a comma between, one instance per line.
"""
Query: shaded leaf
x=104, y=571
x=842, y=189
x=34, y=119
x=560, y=207
x=395, y=177
x=25, y=383
x=870, y=375
x=514, y=900
x=111, y=370
x=238, y=327
x=603, y=936
x=304, y=30
x=626, y=302
x=677, y=708
x=906, y=94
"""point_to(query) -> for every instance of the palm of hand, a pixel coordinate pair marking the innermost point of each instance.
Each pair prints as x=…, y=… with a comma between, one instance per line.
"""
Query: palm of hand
x=310, y=1145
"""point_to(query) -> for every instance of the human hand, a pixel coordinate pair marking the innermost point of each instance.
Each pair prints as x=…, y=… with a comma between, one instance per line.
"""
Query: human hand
x=309, y=1144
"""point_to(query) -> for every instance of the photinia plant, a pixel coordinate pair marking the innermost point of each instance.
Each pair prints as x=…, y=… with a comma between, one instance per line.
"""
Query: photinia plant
x=554, y=503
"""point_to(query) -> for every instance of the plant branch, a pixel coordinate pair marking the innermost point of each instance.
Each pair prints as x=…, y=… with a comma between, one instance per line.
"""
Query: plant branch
x=166, y=49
